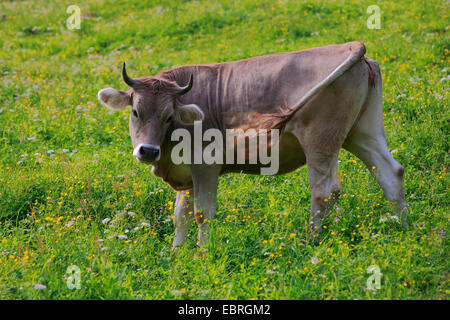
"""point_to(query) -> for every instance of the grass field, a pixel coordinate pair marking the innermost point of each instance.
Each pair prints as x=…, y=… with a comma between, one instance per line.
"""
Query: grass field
x=72, y=194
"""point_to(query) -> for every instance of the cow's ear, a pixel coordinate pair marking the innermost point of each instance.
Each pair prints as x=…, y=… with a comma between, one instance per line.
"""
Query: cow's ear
x=114, y=99
x=189, y=113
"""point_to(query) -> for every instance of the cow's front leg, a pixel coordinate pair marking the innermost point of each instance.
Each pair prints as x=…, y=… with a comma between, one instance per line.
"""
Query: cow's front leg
x=205, y=178
x=183, y=216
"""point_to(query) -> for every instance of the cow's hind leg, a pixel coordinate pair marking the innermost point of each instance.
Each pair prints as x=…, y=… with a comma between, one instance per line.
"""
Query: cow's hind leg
x=325, y=189
x=322, y=127
x=367, y=141
x=383, y=167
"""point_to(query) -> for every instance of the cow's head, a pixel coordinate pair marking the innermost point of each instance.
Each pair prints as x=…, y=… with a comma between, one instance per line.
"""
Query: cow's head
x=154, y=107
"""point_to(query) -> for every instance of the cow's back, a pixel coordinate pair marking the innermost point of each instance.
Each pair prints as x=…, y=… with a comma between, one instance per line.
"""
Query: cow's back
x=260, y=84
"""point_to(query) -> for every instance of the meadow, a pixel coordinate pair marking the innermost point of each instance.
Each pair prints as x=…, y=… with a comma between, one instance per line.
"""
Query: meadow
x=71, y=194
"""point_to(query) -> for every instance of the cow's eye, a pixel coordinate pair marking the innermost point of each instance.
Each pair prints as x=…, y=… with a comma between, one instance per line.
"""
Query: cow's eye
x=134, y=113
x=169, y=119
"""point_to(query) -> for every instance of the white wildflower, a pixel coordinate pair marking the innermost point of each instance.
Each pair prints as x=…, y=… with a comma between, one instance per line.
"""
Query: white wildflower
x=39, y=287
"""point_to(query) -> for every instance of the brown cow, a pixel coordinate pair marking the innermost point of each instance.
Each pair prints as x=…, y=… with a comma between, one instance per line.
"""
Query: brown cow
x=321, y=99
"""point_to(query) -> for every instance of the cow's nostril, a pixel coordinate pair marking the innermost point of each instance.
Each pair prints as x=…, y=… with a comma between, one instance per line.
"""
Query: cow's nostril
x=147, y=152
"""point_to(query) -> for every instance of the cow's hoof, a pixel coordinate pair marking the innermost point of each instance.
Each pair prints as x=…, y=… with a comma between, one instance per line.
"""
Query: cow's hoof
x=314, y=237
x=202, y=249
x=314, y=234
x=405, y=224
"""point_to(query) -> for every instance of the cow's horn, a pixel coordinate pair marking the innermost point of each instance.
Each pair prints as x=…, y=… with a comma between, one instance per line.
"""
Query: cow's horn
x=126, y=78
x=185, y=89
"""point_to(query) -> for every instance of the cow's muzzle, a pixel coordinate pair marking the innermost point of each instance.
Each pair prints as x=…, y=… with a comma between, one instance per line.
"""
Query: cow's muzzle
x=147, y=153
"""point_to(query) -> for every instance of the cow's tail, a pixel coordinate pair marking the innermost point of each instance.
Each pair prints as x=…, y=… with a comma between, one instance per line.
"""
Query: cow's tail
x=279, y=119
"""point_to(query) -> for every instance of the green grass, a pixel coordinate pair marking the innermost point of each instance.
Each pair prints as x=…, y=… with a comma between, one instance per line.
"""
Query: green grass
x=66, y=164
